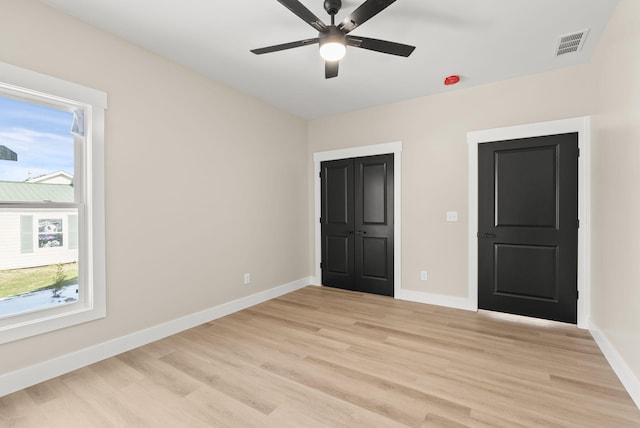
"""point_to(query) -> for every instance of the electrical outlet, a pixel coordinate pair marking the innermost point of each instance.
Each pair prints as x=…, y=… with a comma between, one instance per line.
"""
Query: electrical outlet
x=452, y=215
x=247, y=278
x=423, y=275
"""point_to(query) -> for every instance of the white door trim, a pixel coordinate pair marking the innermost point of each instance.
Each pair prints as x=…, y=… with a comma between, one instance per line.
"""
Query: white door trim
x=578, y=124
x=354, y=152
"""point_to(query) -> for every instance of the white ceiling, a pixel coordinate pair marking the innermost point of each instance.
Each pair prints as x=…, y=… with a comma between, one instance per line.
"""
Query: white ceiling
x=483, y=41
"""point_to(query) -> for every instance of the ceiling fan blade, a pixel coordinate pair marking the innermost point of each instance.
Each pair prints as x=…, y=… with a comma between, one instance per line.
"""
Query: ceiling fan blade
x=383, y=46
x=331, y=69
x=284, y=46
x=305, y=14
x=363, y=13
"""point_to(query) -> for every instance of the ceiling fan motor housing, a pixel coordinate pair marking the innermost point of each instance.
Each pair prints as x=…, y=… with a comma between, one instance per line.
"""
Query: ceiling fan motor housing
x=332, y=6
x=332, y=35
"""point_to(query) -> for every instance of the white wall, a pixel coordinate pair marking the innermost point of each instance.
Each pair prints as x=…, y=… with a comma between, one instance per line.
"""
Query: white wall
x=615, y=251
x=235, y=199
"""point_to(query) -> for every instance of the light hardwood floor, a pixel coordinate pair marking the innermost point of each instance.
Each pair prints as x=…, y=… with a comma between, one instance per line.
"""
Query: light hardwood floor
x=321, y=357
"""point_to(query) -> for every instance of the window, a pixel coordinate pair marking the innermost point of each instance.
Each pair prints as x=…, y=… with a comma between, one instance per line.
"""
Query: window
x=52, y=268
x=50, y=233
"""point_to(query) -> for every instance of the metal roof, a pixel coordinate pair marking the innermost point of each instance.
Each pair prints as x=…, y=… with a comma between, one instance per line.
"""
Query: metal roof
x=35, y=192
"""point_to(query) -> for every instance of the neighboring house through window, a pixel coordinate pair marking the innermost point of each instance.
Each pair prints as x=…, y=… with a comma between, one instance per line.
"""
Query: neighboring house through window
x=52, y=272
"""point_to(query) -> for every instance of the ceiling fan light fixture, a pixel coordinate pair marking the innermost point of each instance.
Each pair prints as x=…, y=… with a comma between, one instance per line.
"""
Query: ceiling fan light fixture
x=333, y=44
x=333, y=51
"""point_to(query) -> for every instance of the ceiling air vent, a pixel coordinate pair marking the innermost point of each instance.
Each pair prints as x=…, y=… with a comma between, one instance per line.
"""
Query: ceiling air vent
x=571, y=42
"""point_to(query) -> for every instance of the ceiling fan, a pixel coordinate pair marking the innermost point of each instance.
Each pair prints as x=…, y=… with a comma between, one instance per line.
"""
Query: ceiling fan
x=334, y=39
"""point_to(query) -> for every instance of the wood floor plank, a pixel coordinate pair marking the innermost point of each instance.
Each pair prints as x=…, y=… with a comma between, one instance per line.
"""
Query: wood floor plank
x=322, y=357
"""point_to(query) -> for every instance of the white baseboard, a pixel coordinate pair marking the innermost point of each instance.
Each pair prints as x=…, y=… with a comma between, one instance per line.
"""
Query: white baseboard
x=629, y=380
x=23, y=378
x=435, y=299
x=429, y=298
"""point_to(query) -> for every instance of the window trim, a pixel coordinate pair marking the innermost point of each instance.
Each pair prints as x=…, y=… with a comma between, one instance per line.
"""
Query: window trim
x=91, y=222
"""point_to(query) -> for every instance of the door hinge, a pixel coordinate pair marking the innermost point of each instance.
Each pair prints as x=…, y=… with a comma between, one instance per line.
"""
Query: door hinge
x=577, y=294
x=321, y=265
x=578, y=151
x=320, y=220
x=320, y=174
x=578, y=223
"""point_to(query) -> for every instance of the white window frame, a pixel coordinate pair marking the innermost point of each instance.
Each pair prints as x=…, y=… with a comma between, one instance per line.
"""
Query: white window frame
x=91, y=305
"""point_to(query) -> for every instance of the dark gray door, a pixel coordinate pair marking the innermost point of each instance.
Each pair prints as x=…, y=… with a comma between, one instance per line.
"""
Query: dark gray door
x=357, y=224
x=528, y=226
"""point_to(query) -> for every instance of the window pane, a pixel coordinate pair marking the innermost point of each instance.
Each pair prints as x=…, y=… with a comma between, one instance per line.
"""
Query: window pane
x=36, y=153
x=38, y=267
x=47, y=275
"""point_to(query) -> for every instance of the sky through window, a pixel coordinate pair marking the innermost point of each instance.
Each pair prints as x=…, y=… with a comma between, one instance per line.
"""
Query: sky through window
x=41, y=136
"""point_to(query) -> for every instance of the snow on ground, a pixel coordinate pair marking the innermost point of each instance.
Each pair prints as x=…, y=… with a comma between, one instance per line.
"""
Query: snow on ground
x=37, y=300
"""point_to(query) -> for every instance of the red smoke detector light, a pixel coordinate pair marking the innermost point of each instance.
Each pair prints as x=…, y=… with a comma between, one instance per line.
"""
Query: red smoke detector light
x=451, y=80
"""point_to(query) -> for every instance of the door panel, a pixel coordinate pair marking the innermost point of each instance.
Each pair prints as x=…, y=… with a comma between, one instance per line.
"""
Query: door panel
x=357, y=224
x=374, y=224
x=374, y=250
x=526, y=182
x=526, y=271
x=374, y=192
x=338, y=255
x=338, y=224
x=338, y=178
x=528, y=226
